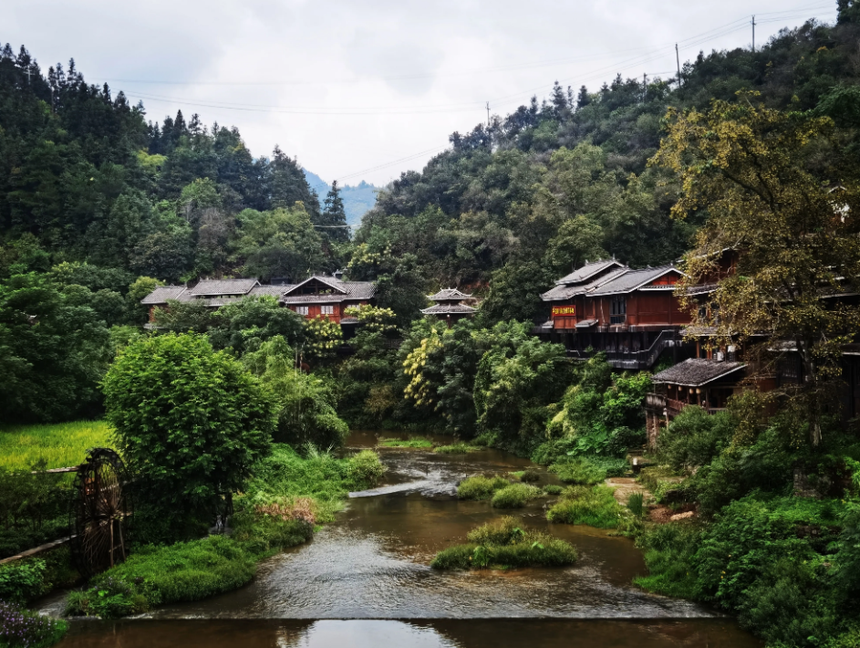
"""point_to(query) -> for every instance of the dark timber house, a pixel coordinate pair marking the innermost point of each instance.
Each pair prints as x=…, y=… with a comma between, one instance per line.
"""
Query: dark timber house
x=318, y=296
x=631, y=315
x=451, y=305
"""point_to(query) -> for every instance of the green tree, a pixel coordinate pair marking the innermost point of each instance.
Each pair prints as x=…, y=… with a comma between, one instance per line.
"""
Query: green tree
x=245, y=324
x=305, y=405
x=53, y=351
x=333, y=216
x=763, y=178
x=190, y=421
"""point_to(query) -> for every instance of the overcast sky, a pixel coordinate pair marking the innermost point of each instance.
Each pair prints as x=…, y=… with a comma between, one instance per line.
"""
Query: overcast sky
x=365, y=90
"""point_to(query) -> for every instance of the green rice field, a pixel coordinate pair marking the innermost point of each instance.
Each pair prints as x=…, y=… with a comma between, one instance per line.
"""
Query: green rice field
x=59, y=444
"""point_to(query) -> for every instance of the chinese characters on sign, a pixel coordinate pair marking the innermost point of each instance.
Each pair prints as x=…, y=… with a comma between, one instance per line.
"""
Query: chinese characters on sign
x=563, y=311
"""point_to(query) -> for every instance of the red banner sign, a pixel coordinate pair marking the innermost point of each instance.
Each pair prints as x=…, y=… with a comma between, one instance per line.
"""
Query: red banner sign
x=564, y=311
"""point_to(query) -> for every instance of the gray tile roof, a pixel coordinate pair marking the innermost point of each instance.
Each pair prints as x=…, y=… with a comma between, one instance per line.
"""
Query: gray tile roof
x=633, y=279
x=218, y=287
x=587, y=271
x=696, y=372
x=346, y=291
x=161, y=294
x=273, y=291
x=563, y=293
x=449, y=309
x=449, y=294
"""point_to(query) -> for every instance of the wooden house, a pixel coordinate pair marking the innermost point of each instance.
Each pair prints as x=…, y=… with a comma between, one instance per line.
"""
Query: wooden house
x=631, y=315
x=328, y=297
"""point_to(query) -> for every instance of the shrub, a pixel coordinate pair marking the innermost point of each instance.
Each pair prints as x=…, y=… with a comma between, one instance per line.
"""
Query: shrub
x=589, y=471
x=501, y=543
x=590, y=506
x=480, y=487
x=502, y=531
x=790, y=605
x=515, y=496
x=364, y=470
x=636, y=504
x=530, y=476
x=695, y=438
x=191, y=422
x=22, y=581
x=669, y=550
x=20, y=628
x=552, y=489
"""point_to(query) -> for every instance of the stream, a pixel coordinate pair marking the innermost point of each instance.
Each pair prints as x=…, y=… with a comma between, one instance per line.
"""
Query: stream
x=364, y=581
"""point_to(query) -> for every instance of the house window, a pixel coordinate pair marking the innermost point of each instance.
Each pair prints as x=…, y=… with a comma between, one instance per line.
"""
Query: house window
x=327, y=310
x=618, y=310
x=302, y=310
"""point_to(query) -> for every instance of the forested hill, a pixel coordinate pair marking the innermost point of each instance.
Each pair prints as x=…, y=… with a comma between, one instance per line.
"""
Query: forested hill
x=85, y=177
x=357, y=200
x=555, y=183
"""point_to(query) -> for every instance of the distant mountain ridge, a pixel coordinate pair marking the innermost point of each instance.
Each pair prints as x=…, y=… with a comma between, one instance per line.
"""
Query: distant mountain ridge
x=357, y=200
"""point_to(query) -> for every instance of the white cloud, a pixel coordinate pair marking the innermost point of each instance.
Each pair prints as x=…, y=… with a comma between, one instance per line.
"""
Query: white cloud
x=347, y=86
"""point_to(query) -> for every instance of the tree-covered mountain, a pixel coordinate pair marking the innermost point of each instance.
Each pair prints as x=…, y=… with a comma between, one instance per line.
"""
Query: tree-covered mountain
x=511, y=207
x=357, y=200
x=84, y=177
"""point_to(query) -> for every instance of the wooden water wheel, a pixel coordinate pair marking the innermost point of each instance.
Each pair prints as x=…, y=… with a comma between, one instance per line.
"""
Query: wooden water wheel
x=100, y=512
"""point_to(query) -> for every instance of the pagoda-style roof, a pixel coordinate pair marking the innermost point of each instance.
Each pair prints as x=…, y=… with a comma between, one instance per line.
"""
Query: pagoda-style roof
x=161, y=294
x=449, y=295
x=222, y=287
x=449, y=309
x=697, y=372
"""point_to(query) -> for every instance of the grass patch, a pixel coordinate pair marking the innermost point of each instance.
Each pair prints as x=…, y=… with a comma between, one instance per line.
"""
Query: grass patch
x=288, y=495
x=186, y=571
x=515, y=496
x=284, y=476
x=58, y=445
x=479, y=487
x=457, y=448
x=552, y=489
x=406, y=443
x=20, y=628
x=668, y=550
x=588, y=471
x=594, y=506
x=503, y=544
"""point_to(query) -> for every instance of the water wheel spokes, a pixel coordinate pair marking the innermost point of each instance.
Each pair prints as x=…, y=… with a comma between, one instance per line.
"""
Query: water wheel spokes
x=100, y=513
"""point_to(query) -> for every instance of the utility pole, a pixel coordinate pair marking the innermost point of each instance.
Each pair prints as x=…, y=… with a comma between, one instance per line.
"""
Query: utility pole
x=753, y=33
x=644, y=86
x=678, y=61
x=28, y=72
x=488, y=114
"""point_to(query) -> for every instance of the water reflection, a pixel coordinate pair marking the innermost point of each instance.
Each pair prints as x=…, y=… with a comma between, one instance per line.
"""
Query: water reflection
x=475, y=633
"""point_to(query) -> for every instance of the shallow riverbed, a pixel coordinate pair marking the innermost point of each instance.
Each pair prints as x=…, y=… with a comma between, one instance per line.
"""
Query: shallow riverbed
x=365, y=580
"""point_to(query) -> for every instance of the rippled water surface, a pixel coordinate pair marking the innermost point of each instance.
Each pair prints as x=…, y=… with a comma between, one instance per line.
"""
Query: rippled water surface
x=364, y=575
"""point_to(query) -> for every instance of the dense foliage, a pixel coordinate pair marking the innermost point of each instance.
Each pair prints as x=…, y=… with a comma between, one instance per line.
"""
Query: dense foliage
x=189, y=421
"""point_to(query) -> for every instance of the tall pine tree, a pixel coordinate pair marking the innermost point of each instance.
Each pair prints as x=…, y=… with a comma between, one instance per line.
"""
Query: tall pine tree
x=333, y=218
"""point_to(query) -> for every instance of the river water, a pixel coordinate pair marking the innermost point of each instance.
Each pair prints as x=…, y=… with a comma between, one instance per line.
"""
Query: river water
x=364, y=581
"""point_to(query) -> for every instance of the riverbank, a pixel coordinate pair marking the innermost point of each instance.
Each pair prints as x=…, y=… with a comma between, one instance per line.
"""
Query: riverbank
x=287, y=498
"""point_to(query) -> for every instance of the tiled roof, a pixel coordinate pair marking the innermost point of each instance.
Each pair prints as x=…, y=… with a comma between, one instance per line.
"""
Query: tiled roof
x=161, y=294
x=634, y=279
x=696, y=372
x=587, y=271
x=216, y=287
x=346, y=291
x=449, y=294
x=563, y=293
x=449, y=309
x=273, y=291
x=331, y=282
